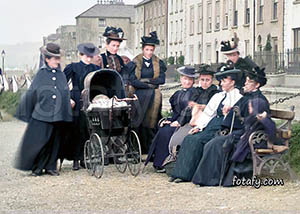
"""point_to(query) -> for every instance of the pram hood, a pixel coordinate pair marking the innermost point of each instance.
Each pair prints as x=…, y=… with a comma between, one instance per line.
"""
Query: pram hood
x=105, y=81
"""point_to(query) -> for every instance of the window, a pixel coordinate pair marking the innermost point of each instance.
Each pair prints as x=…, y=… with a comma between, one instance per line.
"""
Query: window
x=191, y=54
x=275, y=8
x=200, y=18
x=247, y=12
x=101, y=41
x=181, y=29
x=200, y=53
x=181, y=5
x=225, y=12
x=171, y=32
x=217, y=15
x=259, y=45
x=296, y=38
x=102, y=23
x=275, y=44
x=176, y=31
x=192, y=21
x=260, y=12
x=171, y=7
x=209, y=18
x=208, y=52
x=235, y=13
x=176, y=9
x=247, y=48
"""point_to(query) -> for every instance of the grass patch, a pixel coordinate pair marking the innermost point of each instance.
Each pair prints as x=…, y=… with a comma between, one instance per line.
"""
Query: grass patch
x=9, y=101
x=294, y=151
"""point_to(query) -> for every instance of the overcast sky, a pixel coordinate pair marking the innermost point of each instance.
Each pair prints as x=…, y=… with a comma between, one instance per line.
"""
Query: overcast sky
x=30, y=20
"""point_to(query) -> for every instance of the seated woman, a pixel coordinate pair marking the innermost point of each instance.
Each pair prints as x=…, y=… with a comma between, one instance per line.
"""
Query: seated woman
x=203, y=94
x=207, y=125
x=209, y=170
x=179, y=101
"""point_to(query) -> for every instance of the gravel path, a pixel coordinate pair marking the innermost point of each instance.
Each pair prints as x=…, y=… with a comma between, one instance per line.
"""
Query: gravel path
x=149, y=193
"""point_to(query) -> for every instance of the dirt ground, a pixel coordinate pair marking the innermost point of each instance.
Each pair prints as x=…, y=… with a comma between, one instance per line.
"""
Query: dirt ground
x=116, y=193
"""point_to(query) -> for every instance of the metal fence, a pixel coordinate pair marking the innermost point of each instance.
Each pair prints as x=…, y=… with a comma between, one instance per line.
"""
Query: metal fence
x=288, y=61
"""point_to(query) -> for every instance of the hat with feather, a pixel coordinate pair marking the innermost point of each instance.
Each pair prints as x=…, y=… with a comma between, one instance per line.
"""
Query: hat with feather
x=150, y=40
x=228, y=47
x=114, y=33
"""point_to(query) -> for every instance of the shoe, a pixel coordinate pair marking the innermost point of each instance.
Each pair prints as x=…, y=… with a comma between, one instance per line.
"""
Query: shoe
x=75, y=165
x=82, y=164
x=171, y=179
x=161, y=170
x=178, y=180
x=52, y=172
x=37, y=172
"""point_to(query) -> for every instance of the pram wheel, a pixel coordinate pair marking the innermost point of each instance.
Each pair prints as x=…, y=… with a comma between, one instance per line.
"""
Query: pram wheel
x=134, y=153
x=119, y=148
x=96, y=155
x=88, y=158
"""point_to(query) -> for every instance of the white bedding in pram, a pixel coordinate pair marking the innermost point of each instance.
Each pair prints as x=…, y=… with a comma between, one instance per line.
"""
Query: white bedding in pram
x=102, y=101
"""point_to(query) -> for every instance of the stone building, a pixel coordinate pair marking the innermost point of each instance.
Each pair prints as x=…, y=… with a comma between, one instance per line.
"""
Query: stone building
x=152, y=16
x=176, y=28
x=292, y=25
x=91, y=24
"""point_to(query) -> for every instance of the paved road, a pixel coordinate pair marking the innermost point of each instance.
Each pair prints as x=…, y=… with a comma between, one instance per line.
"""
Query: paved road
x=149, y=193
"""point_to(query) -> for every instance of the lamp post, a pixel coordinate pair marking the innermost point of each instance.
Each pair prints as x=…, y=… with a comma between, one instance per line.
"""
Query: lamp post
x=3, y=56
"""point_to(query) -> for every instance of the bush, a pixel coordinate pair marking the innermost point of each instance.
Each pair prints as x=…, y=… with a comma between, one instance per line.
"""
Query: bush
x=166, y=113
x=180, y=60
x=294, y=151
x=171, y=60
x=9, y=101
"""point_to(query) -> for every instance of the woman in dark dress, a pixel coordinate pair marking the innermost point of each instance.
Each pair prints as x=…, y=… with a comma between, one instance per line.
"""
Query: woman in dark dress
x=199, y=97
x=110, y=58
x=147, y=73
x=209, y=170
x=78, y=133
x=179, y=101
x=208, y=124
x=46, y=107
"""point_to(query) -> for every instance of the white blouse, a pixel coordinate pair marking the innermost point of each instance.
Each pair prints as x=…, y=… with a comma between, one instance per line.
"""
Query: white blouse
x=210, y=110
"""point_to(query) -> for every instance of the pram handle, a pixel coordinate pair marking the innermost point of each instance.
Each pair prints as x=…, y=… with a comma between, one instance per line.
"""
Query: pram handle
x=126, y=99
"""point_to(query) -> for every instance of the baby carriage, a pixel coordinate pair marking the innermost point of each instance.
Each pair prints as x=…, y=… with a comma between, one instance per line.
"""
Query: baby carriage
x=108, y=115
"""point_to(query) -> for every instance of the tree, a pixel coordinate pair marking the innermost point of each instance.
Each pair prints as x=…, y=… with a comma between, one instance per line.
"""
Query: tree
x=268, y=46
x=171, y=60
x=180, y=60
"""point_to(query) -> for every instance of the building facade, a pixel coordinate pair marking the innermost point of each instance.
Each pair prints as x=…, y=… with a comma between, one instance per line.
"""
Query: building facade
x=152, y=16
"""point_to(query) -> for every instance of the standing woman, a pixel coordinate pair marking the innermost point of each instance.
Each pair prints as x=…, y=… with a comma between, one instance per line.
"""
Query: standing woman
x=78, y=133
x=45, y=107
x=110, y=59
x=146, y=73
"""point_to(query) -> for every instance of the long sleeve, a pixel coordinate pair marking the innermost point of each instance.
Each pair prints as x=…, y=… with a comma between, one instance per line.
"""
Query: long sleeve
x=133, y=79
x=68, y=71
x=162, y=76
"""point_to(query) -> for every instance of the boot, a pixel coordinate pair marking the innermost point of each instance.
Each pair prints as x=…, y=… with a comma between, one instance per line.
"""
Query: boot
x=75, y=165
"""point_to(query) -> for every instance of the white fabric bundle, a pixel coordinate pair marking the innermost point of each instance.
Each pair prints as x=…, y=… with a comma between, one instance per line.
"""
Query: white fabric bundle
x=102, y=101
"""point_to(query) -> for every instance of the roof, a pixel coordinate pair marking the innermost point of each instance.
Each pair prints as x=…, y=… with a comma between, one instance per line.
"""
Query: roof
x=143, y=2
x=109, y=10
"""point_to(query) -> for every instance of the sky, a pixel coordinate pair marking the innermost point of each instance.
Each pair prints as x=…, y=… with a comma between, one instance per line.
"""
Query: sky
x=30, y=20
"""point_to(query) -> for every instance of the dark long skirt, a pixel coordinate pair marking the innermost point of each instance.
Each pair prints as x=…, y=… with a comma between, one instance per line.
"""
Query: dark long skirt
x=76, y=136
x=191, y=150
x=39, y=146
x=159, y=148
x=208, y=172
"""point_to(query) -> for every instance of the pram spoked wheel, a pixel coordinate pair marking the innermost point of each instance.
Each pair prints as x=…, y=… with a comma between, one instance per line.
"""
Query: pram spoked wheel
x=134, y=153
x=94, y=156
x=119, y=148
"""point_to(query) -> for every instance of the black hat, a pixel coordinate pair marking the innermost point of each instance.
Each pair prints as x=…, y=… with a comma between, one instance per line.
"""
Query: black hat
x=187, y=71
x=114, y=33
x=51, y=49
x=228, y=47
x=227, y=70
x=258, y=75
x=88, y=49
x=150, y=40
x=205, y=69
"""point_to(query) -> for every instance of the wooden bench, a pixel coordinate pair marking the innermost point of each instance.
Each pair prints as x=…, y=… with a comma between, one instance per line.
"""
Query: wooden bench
x=271, y=157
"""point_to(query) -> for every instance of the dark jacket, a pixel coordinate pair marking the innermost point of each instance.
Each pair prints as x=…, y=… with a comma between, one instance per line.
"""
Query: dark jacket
x=47, y=99
x=77, y=72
